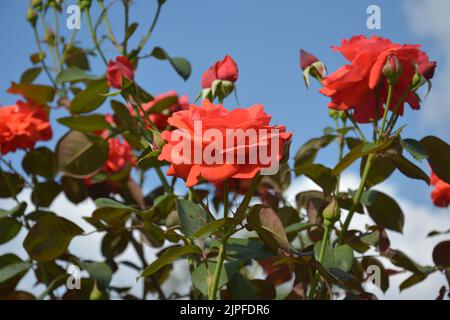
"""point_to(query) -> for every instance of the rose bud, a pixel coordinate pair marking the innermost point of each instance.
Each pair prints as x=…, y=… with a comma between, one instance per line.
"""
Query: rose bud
x=31, y=16
x=306, y=59
x=225, y=70
x=118, y=70
x=392, y=69
x=332, y=212
x=311, y=66
x=427, y=70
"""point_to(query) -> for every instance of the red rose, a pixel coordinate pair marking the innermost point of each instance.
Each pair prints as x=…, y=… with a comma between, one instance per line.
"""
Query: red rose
x=120, y=155
x=22, y=125
x=119, y=69
x=226, y=69
x=224, y=124
x=354, y=86
x=120, y=152
x=441, y=192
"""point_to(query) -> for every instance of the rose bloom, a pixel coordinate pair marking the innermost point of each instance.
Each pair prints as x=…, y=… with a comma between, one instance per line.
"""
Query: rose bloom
x=354, y=86
x=117, y=70
x=120, y=152
x=120, y=155
x=441, y=192
x=160, y=119
x=212, y=116
x=226, y=69
x=22, y=125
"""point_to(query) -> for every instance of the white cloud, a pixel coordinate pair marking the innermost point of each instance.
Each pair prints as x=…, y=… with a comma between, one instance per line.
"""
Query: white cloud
x=419, y=220
x=429, y=19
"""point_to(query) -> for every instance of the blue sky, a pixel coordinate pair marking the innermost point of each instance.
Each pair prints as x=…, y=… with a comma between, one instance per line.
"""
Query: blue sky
x=264, y=37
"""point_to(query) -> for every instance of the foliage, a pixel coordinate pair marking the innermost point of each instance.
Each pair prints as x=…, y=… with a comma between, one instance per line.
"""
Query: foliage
x=220, y=230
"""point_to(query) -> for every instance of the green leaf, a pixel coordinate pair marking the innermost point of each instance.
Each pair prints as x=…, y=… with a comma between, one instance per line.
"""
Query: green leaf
x=39, y=94
x=30, y=75
x=180, y=65
x=201, y=276
x=441, y=254
x=50, y=237
x=109, y=203
x=76, y=57
x=240, y=288
x=401, y=260
x=10, y=181
x=149, y=159
x=266, y=222
x=192, y=217
x=111, y=212
x=412, y=280
x=7, y=282
x=131, y=29
x=415, y=148
x=99, y=271
x=246, y=249
x=437, y=233
x=9, y=228
x=73, y=74
x=308, y=152
x=134, y=90
x=79, y=155
x=163, y=104
x=384, y=210
x=41, y=161
x=439, y=156
x=122, y=117
x=408, y=168
x=210, y=228
x=371, y=238
x=88, y=123
x=340, y=257
x=74, y=189
x=91, y=97
x=170, y=255
x=44, y=193
x=320, y=174
x=17, y=211
x=359, y=151
x=381, y=169
x=298, y=227
x=115, y=243
x=12, y=270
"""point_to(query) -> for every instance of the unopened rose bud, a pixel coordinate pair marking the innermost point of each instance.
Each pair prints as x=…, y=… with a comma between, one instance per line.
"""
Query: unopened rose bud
x=49, y=36
x=392, y=69
x=84, y=4
x=36, y=4
x=427, y=69
x=311, y=66
x=332, y=212
x=306, y=59
x=31, y=16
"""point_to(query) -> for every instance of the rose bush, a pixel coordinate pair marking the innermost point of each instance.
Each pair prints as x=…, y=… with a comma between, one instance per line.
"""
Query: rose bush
x=230, y=218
